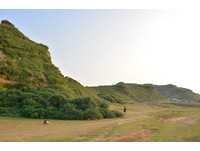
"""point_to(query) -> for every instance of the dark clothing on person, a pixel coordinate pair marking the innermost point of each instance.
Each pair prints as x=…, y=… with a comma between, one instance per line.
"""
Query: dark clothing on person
x=124, y=109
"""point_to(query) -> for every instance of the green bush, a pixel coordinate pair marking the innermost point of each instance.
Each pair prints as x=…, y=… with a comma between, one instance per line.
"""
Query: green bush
x=31, y=102
x=92, y=114
x=86, y=103
x=5, y=111
x=107, y=113
x=117, y=113
x=103, y=105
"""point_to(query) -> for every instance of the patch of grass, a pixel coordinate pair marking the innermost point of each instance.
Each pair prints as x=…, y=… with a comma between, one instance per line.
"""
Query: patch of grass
x=91, y=135
x=167, y=113
x=182, y=126
x=123, y=129
x=178, y=131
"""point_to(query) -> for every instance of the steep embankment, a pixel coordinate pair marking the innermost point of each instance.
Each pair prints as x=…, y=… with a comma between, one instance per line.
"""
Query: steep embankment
x=23, y=61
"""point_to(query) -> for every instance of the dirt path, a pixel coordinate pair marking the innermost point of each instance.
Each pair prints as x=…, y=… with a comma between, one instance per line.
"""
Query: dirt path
x=128, y=119
x=137, y=136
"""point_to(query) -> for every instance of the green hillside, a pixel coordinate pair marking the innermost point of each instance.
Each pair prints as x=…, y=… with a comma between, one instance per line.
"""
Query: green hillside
x=79, y=90
x=122, y=92
x=31, y=86
x=25, y=61
x=172, y=91
x=126, y=92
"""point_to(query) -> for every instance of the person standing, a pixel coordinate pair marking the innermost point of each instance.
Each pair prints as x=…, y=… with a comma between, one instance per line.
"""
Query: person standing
x=124, y=109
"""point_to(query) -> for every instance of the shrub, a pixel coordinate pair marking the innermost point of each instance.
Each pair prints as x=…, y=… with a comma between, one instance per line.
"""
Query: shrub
x=5, y=111
x=32, y=102
x=107, y=113
x=117, y=113
x=103, y=105
x=92, y=114
x=85, y=103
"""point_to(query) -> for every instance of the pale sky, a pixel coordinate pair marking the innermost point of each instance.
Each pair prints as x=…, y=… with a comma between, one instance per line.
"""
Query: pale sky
x=103, y=47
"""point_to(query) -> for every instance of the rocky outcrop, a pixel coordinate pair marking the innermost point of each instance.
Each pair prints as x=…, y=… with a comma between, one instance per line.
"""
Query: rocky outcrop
x=6, y=22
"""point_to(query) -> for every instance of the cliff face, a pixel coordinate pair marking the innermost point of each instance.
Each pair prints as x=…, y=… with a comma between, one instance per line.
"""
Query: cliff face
x=6, y=22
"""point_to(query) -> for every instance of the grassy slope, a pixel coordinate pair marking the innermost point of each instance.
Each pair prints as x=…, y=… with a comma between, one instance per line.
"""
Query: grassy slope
x=79, y=90
x=23, y=61
x=144, y=93
x=172, y=91
x=26, y=61
x=122, y=92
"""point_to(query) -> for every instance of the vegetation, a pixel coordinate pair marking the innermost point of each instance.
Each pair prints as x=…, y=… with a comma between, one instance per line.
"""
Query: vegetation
x=32, y=87
x=122, y=92
x=26, y=61
x=172, y=91
x=126, y=92
x=166, y=122
x=50, y=103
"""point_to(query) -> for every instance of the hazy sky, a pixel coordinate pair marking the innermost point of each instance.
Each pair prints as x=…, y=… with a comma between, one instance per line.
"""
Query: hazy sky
x=101, y=47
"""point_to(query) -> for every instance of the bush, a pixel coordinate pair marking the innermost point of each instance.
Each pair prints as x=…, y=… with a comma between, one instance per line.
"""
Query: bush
x=5, y=111
x=92, y=114
x=85, y=103
x=103, y=105
x=107, y=113
x=32, y=102
x=117, y=113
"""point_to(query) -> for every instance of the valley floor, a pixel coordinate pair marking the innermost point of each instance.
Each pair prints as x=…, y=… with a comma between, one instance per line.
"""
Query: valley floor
x=167, y=122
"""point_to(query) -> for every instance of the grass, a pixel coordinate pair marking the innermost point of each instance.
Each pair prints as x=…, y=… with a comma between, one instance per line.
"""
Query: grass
x=171, y=123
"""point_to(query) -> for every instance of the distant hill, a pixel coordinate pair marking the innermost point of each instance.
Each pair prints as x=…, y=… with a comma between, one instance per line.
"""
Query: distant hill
x=125, y=92
x=122, y=92
x=172, y=91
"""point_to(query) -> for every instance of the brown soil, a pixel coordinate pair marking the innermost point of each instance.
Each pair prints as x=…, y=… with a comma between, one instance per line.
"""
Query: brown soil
x=173, y=117
x=7, y=81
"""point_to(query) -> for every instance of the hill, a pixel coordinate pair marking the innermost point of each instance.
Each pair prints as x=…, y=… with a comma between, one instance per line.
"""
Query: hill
x=31, y=86
x=127, y=92
x=25, y=62
x=122, y=92
x=172, y=91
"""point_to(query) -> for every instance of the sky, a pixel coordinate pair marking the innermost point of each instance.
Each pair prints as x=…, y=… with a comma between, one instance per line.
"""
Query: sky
x=104, y=47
